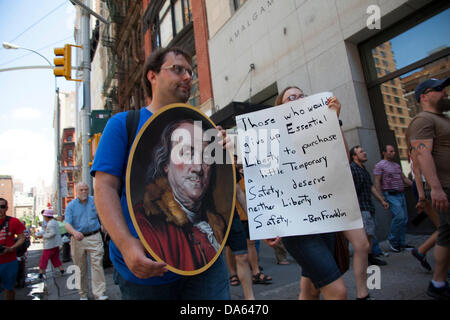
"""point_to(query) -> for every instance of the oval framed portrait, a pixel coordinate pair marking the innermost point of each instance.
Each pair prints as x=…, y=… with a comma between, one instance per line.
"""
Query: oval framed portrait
x=181, y=187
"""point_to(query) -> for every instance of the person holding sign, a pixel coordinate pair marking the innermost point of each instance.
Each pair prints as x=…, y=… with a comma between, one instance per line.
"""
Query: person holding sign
x=167, y=78
x=188, y=235
x=315, y=252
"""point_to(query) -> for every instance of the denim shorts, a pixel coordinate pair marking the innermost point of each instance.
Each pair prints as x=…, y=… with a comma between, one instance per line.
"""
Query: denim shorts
x=369, y=223
x=237, y=238
x=8, y=274
x=315, y=255
x=209, y=285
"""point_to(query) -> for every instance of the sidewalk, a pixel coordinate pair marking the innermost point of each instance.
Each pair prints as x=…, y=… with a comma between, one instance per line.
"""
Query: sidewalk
x=402, y=279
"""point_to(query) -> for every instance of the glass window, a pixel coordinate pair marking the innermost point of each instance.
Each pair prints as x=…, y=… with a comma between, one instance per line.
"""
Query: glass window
x=403, y=50
x=172, y=18
x=178, y=16
x=187, y=11
x=166, y=30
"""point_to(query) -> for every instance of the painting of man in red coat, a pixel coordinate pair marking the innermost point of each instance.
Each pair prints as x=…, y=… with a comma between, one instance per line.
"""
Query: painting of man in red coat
x=177, y=215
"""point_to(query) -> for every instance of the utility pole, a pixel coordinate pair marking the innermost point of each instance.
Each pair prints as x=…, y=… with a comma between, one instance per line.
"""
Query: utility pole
x=86, y=67
x=86, y=108
x=58, y=152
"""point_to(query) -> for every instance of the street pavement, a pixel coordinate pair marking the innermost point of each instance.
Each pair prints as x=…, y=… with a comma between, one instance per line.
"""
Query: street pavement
x=402, y=279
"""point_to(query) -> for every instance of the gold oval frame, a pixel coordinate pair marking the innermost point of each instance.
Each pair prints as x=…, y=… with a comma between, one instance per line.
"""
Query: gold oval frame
x=129, y=198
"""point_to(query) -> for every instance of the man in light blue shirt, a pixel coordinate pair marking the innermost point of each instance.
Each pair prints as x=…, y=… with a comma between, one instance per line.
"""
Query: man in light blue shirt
x=82, y=223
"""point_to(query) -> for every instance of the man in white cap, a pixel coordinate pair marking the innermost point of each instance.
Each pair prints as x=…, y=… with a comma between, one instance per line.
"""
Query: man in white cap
x=83, y=224
x=429, y=134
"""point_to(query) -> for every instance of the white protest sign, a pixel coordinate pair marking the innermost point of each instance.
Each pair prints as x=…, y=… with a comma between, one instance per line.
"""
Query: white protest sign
x=297, y=175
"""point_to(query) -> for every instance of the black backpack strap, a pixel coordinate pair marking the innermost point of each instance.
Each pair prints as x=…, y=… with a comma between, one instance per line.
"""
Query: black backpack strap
x=132, y=124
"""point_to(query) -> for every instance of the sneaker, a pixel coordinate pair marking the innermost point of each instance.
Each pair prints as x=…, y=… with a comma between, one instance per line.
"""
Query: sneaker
x=407, y=246
x=376, y=261
x=422, y=259
x=395, y=248
x=439, y=293
x=102, y=298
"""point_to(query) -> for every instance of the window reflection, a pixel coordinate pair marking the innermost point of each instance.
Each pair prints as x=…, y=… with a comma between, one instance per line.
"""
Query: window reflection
x=417, y=43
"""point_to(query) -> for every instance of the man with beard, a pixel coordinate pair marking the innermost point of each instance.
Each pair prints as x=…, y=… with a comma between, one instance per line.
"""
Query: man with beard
x=82, y=223
x=167, y=78
x=429, y=134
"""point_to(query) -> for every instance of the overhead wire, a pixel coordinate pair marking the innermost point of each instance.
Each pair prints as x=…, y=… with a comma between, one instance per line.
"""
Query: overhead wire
x=38, y=21
x=25, y=55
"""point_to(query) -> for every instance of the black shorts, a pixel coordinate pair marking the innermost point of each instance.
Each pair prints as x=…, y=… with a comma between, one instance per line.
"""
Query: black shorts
x=237, y=240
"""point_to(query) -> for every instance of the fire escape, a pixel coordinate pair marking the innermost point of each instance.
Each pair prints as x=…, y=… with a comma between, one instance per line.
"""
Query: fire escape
x=124, y=39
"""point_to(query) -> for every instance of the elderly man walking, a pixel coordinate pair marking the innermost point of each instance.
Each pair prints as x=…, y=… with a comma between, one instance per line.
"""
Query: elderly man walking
x=83, y=224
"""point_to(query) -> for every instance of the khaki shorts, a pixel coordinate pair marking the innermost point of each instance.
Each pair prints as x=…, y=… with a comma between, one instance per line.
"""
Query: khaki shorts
x=443, y=239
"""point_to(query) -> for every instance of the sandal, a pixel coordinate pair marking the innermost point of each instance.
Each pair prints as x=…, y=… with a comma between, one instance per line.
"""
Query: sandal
x=234, y=280
x=261, y=278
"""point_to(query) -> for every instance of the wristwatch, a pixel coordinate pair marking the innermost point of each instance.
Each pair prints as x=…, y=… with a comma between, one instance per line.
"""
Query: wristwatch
x=340, y=122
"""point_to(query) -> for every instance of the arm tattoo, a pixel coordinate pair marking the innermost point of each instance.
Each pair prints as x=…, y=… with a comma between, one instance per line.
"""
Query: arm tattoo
x=421, y=146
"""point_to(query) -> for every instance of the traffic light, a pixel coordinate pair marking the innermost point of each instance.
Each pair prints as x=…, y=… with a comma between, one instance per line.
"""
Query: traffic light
x=63, y=62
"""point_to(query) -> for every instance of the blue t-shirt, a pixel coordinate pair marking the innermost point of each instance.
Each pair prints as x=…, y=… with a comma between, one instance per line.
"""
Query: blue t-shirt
x=83, y=217
x=111, y=157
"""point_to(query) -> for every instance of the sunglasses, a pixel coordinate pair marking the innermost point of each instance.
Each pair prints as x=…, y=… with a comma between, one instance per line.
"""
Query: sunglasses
x=3, y=206
x=179, y=70
x=437, y=89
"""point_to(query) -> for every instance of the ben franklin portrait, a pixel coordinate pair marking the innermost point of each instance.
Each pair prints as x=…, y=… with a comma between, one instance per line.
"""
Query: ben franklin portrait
x=182, y=197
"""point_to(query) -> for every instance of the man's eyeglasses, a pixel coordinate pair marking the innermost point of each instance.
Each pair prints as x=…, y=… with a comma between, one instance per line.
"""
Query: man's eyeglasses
x=294, y=97
x=3, y=206
x=179, y=70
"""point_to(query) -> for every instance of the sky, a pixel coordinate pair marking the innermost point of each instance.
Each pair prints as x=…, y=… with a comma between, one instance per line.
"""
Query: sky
x=418, y=42
x=28, y=96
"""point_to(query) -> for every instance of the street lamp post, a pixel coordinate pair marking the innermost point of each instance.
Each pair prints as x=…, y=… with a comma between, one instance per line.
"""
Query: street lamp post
x=7, y=45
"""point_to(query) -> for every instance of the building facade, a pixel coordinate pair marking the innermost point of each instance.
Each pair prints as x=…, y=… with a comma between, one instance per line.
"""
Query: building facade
x=68, y=167
x=246, y=52
x=352, y=48
x=7, y=192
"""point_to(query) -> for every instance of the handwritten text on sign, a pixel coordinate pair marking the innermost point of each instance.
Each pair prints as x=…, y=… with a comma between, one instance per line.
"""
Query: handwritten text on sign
x=297, y=176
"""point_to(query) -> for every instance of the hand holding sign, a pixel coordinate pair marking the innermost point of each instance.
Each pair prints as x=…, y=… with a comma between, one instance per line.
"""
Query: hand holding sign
x=297, y=174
